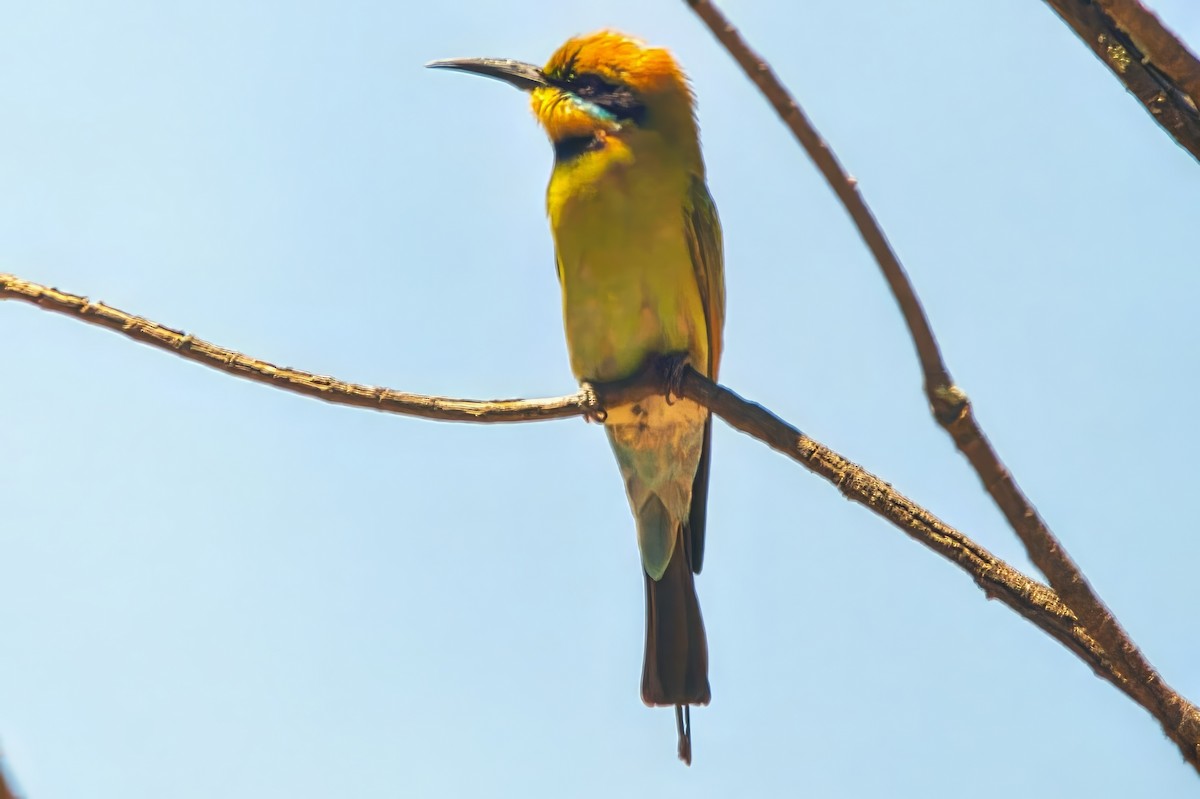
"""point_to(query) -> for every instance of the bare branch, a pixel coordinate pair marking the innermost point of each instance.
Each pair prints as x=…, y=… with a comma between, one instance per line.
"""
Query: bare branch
x=319, y=387
x=7, y=791
x=952, y=409
x=1036, y=602
x=1028, y=597
x=1147, y=58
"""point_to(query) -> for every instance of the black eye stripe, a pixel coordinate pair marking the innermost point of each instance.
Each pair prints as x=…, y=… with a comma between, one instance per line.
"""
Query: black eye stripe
x=620, y=101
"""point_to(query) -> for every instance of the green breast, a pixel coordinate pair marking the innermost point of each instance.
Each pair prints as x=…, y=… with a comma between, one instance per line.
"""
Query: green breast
x=629, y=286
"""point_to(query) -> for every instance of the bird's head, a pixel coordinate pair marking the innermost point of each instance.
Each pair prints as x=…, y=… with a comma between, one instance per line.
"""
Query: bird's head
x=599, y=85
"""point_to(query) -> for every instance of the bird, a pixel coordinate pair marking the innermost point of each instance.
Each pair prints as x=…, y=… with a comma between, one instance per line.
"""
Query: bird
x=639, y=256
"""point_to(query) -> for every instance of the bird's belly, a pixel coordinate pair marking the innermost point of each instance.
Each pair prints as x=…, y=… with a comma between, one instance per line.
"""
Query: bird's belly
x=657, y=423
x=658, y=444
x=629, y=295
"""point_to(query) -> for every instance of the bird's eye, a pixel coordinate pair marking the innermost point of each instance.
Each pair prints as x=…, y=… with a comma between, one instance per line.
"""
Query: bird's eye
x=589, y=85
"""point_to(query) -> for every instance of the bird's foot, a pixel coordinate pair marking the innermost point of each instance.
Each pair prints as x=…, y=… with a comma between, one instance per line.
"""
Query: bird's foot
x=674, y=367
x=593, y=409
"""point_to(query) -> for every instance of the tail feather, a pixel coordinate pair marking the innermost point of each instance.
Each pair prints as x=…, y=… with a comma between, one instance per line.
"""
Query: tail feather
x=660, y=451
x=675, y=670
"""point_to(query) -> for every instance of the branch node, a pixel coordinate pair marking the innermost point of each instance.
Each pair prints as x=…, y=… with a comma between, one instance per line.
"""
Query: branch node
x=949, y=404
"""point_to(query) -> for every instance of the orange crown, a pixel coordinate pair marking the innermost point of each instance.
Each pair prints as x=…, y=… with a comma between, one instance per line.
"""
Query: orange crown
x=651, y=72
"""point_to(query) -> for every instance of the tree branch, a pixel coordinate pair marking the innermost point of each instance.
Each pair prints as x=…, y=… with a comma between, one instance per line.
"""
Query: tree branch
x=952, y=410
x=319, y=387
x=1032, y=600
x=1154, y=66
x=7, y=791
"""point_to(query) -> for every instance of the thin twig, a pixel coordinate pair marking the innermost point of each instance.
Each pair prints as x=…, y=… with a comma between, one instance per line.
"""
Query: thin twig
x=1031, y=599
x=1147, y=58
x=952, y=409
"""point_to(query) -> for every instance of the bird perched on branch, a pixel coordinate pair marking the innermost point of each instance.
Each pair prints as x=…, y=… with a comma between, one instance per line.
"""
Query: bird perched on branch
x=639, y=253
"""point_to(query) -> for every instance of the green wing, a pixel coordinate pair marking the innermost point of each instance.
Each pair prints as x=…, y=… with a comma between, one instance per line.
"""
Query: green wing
x=703, y=230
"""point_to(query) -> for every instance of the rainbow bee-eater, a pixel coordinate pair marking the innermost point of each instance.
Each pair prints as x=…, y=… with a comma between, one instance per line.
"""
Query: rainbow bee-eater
x=639, y=254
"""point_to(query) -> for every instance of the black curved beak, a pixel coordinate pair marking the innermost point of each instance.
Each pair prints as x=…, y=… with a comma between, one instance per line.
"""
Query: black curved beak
x=525, y=77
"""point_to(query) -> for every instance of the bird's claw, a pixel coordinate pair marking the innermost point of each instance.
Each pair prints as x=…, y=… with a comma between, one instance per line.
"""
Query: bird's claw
x=674, y=367
x=593, y=410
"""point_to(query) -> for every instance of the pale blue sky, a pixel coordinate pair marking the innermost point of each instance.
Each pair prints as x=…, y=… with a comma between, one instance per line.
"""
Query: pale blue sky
x=212, y=588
